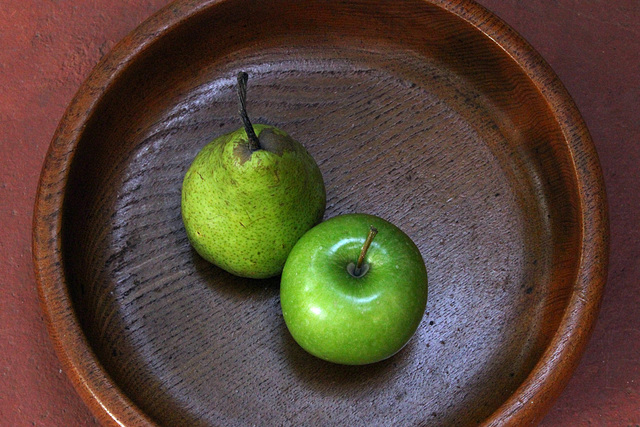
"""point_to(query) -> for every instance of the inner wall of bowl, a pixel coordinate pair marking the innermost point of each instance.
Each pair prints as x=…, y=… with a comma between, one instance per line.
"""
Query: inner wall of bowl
x=412, y=115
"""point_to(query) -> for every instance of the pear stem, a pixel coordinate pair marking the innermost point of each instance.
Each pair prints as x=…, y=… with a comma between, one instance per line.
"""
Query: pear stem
x=254, y=142
x=365, y=247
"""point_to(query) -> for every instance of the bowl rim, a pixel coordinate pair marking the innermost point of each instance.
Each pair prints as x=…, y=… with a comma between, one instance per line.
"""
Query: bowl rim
x=531, y=400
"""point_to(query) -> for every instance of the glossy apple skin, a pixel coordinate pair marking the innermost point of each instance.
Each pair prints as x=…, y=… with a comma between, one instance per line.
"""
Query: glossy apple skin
x=353, y=320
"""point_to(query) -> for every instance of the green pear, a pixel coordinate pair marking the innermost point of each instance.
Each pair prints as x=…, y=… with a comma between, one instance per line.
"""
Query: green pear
x=249, y=196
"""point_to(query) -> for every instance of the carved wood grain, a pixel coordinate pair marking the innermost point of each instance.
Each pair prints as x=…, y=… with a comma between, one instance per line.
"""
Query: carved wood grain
x=434, y=115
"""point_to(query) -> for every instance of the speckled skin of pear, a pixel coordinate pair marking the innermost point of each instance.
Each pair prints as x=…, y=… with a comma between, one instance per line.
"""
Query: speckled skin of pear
x=243, y=211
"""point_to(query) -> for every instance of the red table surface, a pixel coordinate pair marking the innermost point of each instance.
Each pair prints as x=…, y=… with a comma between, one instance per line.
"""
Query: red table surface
x=47, y=47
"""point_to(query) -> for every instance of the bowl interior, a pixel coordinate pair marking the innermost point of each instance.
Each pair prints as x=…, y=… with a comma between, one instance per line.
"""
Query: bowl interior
x=412, y=114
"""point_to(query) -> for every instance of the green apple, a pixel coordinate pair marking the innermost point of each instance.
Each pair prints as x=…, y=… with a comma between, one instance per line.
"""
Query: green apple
x=249, y=196
x=350, y=298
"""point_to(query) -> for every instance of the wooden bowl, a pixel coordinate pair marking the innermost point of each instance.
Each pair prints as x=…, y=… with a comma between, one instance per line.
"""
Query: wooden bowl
x=433, y=114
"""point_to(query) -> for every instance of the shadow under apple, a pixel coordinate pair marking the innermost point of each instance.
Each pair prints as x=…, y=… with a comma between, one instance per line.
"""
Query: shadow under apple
x=290, y=361
x=341, y=380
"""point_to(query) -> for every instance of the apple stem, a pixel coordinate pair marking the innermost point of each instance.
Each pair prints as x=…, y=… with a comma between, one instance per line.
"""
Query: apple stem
x=254, y=142
x=365, y=247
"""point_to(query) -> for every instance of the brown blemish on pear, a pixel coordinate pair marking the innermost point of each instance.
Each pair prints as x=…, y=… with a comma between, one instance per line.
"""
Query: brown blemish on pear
x=270, y=140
